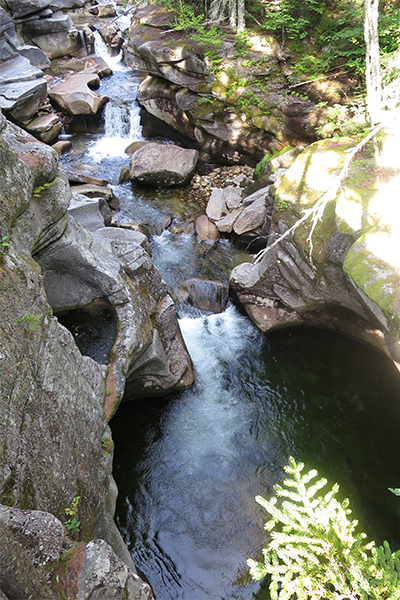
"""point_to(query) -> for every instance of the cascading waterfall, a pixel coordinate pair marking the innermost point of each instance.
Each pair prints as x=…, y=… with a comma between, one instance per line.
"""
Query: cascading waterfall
x=121, y=116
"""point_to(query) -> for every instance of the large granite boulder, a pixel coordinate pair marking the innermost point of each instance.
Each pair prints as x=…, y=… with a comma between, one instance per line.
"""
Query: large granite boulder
x=163, y=165
x=23, y=89
x=340, y=270
x=37, y=561
x=154, y=47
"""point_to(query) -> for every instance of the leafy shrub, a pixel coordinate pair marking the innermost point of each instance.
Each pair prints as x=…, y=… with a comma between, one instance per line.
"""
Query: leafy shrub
x=314, y=550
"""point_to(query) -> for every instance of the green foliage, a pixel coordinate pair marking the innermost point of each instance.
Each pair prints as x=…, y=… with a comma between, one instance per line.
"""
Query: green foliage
x=314, y=550
x=296, y=19
x=323, y=36
x=265, y=159
x=196, y=27
x=242, y=44
x=72, y=524
x=41, y=188
x=29, y=322
x=339, y=120
x=3, y=245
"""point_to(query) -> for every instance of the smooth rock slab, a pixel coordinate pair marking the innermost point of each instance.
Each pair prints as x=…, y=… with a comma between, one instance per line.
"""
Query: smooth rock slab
x=22, y=8
x=216, y=205
x=206, y=231
x=74, y=96
x=21, y=100
x=46, y=127
x=163, y=165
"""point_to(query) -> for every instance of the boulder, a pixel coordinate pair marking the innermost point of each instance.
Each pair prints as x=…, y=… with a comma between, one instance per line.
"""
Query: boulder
x=252, y=217
x=21, y=100
x=97, y=191
x=206, y=231
x=167, y=54
x=22, y=88
x=23, y=8
x=163, y=165
x=76, y=176
x=46, y=127
x=131, y=149
x=34, y=562
x=207, y=295
x=94, y=571
x=60, y=43
x=216, y=205
x=103, y=9
x=112, y=35
x=56, y=5
x=226, y=224
x=33, y=28
x=89, y=212
x=92, y=63
x=342, y=271
x=62, y=146
x=74, y=96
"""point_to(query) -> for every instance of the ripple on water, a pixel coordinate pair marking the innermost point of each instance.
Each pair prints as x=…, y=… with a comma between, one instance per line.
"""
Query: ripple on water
x=188, y=467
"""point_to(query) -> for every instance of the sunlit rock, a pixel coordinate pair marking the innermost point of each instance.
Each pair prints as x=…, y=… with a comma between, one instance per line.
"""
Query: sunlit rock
x=163, y=165
x=340, y=270
x=74, y=95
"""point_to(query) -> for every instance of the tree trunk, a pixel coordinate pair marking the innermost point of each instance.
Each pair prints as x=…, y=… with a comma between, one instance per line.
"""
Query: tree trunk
x=240, y=16
x=373, y=71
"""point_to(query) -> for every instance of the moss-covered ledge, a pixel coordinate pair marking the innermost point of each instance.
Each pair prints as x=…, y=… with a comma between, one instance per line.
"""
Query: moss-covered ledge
x=343, y=271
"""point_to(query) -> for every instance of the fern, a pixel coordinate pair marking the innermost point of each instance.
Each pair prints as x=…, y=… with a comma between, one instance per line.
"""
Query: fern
x=314, y=550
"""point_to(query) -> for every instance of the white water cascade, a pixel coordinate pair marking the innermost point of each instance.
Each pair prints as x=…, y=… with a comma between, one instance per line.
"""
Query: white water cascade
x=121, y=113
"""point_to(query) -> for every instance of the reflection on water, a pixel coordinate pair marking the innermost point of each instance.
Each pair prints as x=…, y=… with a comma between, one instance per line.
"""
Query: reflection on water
x=188, y=468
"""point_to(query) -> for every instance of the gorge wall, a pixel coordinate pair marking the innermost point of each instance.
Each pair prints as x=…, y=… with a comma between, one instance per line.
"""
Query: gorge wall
x=55, y=403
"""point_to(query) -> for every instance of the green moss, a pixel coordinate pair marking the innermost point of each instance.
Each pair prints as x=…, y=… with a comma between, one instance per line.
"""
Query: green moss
x=29, y=498
x=375, y=277
x=7, y=496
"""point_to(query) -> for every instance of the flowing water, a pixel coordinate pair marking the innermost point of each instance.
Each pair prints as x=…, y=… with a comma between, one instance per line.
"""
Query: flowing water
x=189, y=466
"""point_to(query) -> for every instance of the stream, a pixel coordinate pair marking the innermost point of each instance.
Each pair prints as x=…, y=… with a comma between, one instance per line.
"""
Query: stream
x=189, y=466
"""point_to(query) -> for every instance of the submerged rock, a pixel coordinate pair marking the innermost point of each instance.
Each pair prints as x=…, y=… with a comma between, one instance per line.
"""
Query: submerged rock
x=206, y=295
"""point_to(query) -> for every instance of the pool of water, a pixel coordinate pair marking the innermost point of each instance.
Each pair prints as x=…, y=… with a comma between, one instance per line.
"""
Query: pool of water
x=189, y=466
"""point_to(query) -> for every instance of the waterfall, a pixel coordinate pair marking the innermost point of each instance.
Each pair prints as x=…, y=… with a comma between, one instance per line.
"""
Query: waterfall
x=121, y=117
x=100, y=48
